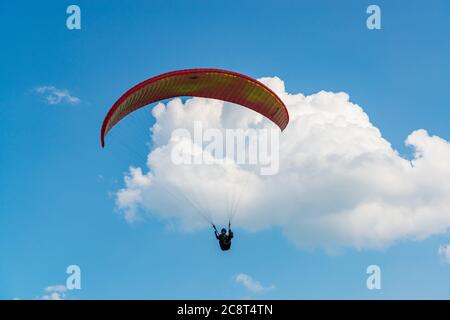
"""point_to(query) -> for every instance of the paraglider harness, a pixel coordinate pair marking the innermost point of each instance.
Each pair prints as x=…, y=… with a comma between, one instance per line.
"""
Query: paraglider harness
x=224, y=238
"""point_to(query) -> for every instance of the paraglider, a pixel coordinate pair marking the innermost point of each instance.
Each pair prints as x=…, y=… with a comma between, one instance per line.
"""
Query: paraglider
x=224, y=238
x=206, y=83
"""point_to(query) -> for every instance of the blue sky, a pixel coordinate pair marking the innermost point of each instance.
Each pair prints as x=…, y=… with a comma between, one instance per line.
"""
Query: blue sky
x=56, y=203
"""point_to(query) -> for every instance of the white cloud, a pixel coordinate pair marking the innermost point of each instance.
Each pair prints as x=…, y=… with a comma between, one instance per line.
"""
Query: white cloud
x=53, y=296
x=56, y=288
x=340, y=184
x=250, y=284
x=56, y=292
x=53, y=95
x=444, y=252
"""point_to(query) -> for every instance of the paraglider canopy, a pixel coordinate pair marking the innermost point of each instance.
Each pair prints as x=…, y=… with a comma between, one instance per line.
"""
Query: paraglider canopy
x=207, y=83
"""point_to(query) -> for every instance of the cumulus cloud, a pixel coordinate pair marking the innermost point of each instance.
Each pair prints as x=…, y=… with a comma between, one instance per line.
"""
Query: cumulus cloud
x=340, y=183
x=56, y=292
x=54, y=96
x=444, y=252
x=251, y=284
